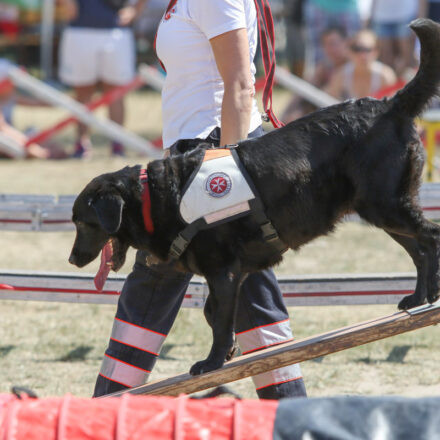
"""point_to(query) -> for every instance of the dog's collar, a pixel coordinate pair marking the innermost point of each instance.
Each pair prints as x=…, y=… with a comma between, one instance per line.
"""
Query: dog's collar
x=146, y=202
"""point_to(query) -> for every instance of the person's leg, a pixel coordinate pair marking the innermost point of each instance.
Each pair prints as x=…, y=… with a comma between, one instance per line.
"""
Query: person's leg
x=147, y=308
x=405, y=44
x=263, y=321
x=385, y=42
x=116, y=112
x=84, y=95
x=117, y=68
x=79, y=69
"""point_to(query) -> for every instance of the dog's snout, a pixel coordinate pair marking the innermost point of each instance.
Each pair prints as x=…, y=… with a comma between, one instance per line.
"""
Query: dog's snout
x=72, y=259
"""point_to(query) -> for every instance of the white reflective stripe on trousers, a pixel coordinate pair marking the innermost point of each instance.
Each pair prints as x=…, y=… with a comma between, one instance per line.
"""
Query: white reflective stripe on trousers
x=136, y=336
x=281, y=375
x=122, y=372
x=264, y=336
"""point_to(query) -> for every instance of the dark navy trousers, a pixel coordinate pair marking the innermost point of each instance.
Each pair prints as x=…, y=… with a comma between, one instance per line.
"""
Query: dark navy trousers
x=148, y=305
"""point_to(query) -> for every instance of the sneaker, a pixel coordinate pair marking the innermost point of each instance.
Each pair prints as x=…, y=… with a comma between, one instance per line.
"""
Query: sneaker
x=117, y=149
x=83, y=150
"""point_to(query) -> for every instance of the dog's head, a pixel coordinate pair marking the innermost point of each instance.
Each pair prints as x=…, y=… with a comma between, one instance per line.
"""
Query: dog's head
x=97, y=215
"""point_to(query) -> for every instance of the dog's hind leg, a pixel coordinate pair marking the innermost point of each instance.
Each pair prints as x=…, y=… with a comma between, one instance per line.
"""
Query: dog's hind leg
x=421, y=261
x=224, y=286
x=407, y=220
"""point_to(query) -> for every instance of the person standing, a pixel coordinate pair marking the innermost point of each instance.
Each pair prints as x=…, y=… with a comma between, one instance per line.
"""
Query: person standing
x=97, y=48
x=363, y=75
x=207, y=49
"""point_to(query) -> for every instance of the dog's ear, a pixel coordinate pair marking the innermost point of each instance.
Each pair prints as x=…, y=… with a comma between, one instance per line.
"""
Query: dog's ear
x=109, y=208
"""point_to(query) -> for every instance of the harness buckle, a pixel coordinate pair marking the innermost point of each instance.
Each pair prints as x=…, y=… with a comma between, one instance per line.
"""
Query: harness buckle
x=178, y=246
x=269, y=232
x=265, y=117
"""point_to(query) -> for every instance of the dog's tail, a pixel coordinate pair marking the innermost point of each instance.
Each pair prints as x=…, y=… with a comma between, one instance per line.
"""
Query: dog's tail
x=415, y=96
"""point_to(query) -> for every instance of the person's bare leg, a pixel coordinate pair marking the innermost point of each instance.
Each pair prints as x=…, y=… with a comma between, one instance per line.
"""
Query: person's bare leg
x=386, y=51
x=404, y=60
x=33, y=150
x=84, y=95
x=116, y=112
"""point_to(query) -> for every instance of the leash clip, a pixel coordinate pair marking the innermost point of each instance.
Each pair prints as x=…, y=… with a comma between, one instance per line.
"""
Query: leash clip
x=269, y=232
x=178, y=247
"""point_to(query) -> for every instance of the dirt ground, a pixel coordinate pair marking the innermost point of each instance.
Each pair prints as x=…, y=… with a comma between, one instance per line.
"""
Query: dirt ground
x=57, y=348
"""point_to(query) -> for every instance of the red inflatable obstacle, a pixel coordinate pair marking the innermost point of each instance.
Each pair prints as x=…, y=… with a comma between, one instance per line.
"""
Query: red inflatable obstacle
x=135, y=417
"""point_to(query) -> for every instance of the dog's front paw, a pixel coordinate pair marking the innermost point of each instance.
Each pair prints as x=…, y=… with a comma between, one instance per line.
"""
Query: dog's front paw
x=233, y=350
x=433, y=297
x=410, y=301
x=205, y=366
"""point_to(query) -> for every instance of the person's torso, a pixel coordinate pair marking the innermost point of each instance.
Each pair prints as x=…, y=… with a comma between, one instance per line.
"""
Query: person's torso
x=394, y=11
x=97, y=14
x=361, y=87
x=193, y=92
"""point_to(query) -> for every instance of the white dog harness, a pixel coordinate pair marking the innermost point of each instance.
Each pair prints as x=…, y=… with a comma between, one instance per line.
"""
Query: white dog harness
x=220, y=190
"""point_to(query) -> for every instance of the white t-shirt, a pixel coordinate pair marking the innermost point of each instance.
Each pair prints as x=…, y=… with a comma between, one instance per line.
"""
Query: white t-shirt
x=193, y=91
x=394, y=11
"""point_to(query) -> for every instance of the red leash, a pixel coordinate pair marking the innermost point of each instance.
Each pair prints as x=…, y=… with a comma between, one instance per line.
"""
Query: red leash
x=146, y=202
x=267, y=34
x=166, y=16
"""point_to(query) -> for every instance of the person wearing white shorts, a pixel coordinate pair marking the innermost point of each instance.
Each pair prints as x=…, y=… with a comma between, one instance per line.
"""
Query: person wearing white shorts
x=97, y=48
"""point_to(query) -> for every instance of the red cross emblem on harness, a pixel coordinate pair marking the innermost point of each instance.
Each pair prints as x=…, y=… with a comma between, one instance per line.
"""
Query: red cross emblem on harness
x=218, y=184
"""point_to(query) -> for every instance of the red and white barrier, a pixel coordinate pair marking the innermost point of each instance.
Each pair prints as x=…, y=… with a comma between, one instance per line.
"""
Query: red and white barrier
x=316, y=290
x=49, y=213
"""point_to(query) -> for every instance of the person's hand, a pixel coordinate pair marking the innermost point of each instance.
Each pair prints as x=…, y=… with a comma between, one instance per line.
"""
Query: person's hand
x=166, y=153
x=127, y=15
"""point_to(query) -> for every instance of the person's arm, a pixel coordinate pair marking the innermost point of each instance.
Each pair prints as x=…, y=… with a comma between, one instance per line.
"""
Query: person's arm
x=231, y=52
x=389, y=78
x=423, y=8
x=335, y=85
x=129, y=13
x=69, y=7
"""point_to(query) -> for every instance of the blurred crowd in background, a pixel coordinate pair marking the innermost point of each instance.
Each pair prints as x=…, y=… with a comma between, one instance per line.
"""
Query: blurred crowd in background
x=348, y=48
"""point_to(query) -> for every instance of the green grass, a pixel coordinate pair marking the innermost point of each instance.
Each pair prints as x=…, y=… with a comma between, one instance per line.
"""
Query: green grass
x=57, y=348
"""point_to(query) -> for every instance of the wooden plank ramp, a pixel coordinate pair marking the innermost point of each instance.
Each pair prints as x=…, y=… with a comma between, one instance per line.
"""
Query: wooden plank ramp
x=296, y=351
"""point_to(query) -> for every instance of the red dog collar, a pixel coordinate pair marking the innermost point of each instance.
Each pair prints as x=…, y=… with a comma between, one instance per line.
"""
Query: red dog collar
x=146, y=202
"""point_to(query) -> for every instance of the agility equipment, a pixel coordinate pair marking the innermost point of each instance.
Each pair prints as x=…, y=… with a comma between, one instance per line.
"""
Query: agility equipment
x=108, y=128
x=104, y=100
x=134, y=417
x=168, y=418
x=50, y=213
x=307, y=290
x=430, y=121
x=11, y=148
x=294, y=352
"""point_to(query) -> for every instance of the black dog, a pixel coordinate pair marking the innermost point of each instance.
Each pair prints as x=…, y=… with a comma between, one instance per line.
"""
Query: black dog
x=360, y=156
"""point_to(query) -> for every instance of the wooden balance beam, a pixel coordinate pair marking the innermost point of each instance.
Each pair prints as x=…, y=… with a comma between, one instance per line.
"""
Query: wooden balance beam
x=294, y=352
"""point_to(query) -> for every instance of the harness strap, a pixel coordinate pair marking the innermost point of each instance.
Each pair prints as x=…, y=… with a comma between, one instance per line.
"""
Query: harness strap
x=266, y=32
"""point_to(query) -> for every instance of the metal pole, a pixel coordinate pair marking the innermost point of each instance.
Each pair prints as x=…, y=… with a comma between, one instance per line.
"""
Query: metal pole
x=47, y=35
